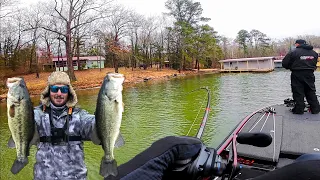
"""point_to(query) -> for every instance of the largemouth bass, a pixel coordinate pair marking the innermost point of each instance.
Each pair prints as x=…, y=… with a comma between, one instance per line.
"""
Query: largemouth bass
x=20, y=121
x=108, y=120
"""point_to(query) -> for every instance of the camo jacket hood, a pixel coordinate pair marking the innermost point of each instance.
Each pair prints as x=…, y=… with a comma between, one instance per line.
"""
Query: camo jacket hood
x=58, y=77
x=62, y=161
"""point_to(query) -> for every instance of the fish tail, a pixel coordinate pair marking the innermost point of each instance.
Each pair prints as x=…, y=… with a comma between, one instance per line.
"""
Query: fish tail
x=108, y=167
x=18, y=165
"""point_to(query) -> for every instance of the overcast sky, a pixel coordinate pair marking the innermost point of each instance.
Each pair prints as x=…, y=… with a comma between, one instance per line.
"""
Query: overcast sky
x=276, y=18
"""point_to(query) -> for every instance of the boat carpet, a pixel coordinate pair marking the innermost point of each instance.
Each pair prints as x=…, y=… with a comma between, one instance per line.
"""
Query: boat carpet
x=301, y=133
x=266, y=122
x=292, y=134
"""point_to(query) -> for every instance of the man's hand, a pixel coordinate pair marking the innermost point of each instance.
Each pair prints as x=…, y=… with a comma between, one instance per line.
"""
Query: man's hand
x=156, y=161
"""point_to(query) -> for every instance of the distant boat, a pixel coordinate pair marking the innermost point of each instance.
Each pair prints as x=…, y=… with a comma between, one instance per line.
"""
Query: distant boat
x=278, y=63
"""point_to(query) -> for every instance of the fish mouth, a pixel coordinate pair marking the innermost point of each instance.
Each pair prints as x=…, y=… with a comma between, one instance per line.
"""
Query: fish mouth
x=115, y=75
x=12, y=81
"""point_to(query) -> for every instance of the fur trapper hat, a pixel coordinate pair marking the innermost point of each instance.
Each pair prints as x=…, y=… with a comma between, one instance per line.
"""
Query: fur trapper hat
x=58, y=77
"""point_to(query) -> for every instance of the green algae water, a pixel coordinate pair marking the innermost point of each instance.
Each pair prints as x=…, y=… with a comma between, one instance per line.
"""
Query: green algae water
x=157, y=109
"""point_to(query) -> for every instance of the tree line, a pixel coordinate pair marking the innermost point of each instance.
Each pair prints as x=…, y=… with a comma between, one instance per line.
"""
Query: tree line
x=180, y=38
x=255, y=43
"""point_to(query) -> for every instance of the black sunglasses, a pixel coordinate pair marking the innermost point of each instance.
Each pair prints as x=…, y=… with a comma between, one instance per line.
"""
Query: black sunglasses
x=63, y=89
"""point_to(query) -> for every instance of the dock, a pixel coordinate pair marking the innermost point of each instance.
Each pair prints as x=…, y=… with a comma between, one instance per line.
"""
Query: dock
x=246, y=70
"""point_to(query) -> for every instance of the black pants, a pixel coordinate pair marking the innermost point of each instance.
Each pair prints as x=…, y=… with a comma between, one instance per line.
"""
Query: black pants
x=302, y=85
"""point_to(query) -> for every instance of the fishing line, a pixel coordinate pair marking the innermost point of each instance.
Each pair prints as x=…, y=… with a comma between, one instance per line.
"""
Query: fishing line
x=195, y=117
x=287, y=72
x=205, y=116
x=280, y=84
x=282, y=80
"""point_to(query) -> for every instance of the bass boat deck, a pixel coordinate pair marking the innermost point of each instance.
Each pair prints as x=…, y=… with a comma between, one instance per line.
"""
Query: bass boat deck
x=292, y=136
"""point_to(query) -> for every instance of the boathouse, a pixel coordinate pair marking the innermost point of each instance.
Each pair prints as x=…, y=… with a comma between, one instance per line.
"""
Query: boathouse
x=257, y=64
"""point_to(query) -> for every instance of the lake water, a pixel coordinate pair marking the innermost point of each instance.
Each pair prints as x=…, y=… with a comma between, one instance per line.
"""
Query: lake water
x=157, y=109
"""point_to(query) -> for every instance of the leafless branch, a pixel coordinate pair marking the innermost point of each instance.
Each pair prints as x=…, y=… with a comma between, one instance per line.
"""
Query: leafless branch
x=59, y=12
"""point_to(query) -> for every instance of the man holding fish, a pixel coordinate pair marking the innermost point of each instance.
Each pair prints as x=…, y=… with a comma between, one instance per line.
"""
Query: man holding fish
x=58, y=128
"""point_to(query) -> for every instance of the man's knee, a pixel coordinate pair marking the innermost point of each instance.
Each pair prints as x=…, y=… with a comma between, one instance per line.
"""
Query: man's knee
x=307, y=157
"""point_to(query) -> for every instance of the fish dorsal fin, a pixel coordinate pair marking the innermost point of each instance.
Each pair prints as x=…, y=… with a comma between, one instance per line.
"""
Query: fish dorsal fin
x=119, y=141
x=11, y=143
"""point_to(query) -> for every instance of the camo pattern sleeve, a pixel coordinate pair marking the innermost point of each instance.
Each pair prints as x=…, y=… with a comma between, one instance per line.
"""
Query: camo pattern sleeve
x=87, y=124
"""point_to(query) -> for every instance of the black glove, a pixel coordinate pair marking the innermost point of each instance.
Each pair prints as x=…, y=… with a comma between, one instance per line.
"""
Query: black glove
x=157, y=161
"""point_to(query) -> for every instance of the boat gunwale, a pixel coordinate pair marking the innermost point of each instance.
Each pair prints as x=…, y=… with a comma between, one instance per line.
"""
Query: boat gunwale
x=226, y=142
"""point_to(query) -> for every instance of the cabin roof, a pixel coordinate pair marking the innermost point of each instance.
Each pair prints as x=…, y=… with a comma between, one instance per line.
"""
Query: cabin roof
x=247, y=59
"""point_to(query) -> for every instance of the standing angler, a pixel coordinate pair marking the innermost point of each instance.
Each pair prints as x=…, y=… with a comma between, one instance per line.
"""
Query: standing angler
x=302, y=62
x=20, y=121
x=108, y=120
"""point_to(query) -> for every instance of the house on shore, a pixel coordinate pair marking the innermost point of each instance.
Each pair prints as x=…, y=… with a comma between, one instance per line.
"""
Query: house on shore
x=88, y=62
x=256, y=64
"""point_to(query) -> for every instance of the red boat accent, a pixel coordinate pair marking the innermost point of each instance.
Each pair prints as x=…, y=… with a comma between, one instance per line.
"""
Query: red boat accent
x=236, y=131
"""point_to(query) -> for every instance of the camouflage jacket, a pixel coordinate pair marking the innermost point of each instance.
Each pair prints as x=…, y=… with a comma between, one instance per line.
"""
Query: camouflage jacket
x=62, y=161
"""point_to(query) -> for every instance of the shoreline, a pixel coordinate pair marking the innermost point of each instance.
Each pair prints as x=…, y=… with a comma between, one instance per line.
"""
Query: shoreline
x=92, y=79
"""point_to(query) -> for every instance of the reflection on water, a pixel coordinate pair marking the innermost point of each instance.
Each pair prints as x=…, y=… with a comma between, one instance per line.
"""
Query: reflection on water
x=155, y=110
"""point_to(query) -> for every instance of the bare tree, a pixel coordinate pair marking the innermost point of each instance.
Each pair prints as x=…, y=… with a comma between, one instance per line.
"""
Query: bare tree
x=49, y=40
x=134, y=27
x=80, y=11
x=80, y=34
x=119, y=27
x=159, y=40
x=33, y=20
x=5, y=11
x=311, y=39
x=5, y=7
x=148, y=27
x=15, y=40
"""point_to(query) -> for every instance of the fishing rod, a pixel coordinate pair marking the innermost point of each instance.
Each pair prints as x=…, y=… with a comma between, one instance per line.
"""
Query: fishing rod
x=206, y=114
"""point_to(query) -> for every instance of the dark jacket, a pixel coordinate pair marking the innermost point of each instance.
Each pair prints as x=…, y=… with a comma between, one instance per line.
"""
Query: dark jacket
x=302, y=58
